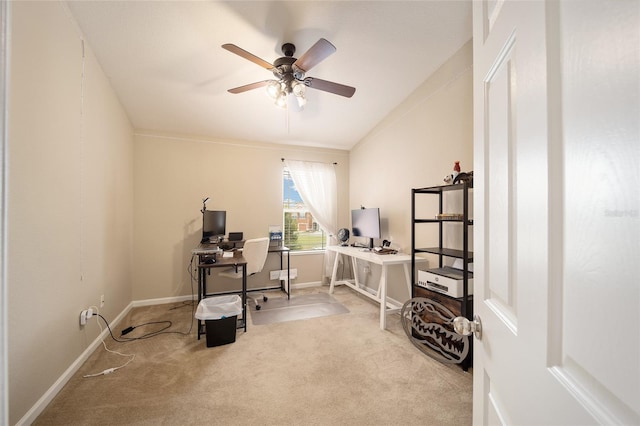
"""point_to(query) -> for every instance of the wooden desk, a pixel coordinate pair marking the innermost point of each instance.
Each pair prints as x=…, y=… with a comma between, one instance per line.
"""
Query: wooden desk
x=222, y=262
x=385, y=260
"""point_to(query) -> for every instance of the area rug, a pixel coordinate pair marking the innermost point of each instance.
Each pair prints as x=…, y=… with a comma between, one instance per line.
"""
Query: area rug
x=304, y=306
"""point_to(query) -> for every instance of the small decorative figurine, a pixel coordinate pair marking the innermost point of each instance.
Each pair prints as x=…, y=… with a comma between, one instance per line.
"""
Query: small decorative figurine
x=457, y=176
x=456, y=171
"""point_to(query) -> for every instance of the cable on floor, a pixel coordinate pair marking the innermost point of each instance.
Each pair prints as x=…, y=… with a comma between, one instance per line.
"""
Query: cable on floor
x=112, y=369
x=191, y=303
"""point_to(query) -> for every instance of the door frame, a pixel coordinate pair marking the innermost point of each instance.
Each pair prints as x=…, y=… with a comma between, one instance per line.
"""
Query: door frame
x=4, y=145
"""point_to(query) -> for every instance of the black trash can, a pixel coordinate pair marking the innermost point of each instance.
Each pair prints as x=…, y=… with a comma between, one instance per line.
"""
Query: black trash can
x=221, y=331
x=220, y=316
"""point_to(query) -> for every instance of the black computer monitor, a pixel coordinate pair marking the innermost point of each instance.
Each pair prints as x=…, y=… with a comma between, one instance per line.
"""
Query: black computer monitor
x=366, y=223
x=214, y=224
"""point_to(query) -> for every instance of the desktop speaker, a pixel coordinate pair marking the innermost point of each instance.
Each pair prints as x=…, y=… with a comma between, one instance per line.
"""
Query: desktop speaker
x=235, y=236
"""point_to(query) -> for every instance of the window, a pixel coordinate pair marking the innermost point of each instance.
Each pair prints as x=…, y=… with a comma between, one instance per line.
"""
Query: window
x=301, y=231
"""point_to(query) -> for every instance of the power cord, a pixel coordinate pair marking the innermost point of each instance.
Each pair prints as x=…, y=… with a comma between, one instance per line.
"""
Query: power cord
x=150, y=334
x=191, y=303
x=146, y=336
x=112, y=369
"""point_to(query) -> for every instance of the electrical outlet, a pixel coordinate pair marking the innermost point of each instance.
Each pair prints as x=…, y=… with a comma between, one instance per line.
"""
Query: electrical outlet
x=85, y=315
x=102, y=301
x=282, y=274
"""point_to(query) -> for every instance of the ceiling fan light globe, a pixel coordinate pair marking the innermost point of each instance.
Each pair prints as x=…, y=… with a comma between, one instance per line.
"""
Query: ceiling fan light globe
x=281, y=101
x=274, y=90
x=299, y=89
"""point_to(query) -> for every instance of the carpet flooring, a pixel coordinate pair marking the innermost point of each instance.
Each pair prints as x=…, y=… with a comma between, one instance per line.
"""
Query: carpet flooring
x=332, y=370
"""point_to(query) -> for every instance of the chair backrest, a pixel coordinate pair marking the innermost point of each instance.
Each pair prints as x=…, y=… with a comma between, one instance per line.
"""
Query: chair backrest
x=255, y=253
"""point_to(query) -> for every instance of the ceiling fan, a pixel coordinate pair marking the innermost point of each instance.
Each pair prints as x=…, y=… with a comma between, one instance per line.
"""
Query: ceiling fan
x=291, y=72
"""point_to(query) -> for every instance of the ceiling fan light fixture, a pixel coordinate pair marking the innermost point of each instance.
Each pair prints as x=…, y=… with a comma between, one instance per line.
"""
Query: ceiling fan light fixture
x=281, y=100
x=299, y=89
x=290, y=73
x=274, y=90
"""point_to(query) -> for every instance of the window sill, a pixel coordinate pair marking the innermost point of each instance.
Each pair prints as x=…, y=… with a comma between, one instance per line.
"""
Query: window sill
x=306, y=252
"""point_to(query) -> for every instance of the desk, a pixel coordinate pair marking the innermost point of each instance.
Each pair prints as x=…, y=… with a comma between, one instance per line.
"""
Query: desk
x=222, y=262
x=277, y=249
x=385, y=260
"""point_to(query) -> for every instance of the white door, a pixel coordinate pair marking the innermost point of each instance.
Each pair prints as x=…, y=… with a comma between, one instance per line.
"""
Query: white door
x=557, y=192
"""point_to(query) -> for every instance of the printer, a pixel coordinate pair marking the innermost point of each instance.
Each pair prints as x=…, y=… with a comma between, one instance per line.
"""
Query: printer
x=447, y=280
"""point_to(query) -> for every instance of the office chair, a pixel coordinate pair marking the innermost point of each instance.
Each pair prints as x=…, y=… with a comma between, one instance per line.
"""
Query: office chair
x=255, y=253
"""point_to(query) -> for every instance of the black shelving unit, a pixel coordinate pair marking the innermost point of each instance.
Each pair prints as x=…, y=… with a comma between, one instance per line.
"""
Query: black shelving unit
x=462, y=306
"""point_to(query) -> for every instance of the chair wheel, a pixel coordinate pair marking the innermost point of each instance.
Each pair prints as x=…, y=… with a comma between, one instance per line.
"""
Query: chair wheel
x=258, y=307
x=265, y=298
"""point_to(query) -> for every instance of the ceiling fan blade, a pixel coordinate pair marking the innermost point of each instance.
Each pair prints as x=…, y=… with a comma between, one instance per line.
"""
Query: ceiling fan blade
x=251, y=86
x=329, y=86
x=250, y=56
x=317, y=53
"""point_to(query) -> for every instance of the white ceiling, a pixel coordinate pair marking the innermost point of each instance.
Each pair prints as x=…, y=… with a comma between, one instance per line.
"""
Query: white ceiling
x=165, y=62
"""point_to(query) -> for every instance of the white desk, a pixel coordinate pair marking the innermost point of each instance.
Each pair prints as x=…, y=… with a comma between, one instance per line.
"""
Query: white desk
x=379, y=259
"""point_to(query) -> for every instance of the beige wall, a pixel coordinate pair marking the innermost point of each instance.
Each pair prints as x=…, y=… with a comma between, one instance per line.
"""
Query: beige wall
x=172, y=176
x=415, y=147
x=70, y=200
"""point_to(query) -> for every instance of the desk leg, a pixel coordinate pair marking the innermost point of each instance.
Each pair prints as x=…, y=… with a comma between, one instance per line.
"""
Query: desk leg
x=288, y=274
x=282, y=285
x=354, y=268
x=199, y=284
x=204, y=282
x=382, y=289
x=407, y=277
x=334, y=273
x=244, y=296
x=287, y=284
x=200, y=277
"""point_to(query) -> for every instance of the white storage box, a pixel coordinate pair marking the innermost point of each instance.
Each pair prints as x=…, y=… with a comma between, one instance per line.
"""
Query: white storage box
x=445, y=280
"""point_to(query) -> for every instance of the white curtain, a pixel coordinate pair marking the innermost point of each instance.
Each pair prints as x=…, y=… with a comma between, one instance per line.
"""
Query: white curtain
x=316, y=184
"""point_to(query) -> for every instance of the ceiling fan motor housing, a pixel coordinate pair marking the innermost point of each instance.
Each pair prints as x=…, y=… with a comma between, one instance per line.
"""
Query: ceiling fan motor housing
x=284, y=63
x=285, y=72
x=288, y=49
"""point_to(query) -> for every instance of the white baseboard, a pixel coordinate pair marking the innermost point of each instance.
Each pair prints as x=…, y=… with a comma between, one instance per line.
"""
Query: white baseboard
x=163, y=300
x=48, y=396
x=306, y=285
